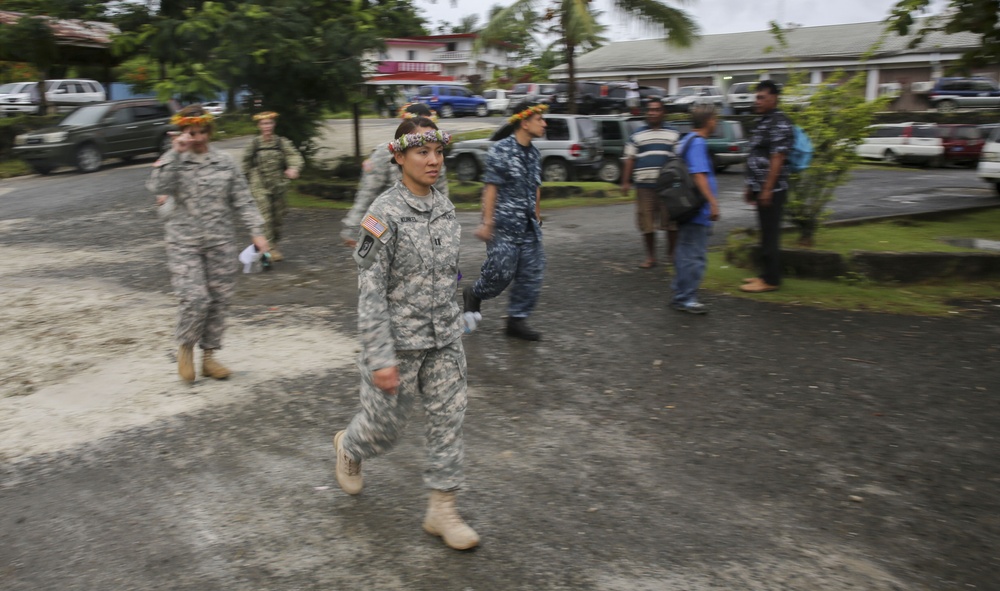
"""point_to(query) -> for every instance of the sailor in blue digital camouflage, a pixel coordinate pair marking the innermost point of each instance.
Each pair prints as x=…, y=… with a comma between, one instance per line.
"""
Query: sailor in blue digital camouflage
x=379, y=173
x=271, y=162
x=410, y=328
x=512, y=225
x=199, y=189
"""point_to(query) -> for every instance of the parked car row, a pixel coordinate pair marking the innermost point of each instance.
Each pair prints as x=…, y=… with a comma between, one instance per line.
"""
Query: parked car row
x=928, y=144
x=22, y=98
x=577, y=146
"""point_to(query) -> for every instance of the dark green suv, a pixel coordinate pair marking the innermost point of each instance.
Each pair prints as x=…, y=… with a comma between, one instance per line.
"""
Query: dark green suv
x=88, y=135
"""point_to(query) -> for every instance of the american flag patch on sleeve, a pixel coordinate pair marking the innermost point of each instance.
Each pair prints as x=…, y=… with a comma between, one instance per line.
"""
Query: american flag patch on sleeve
x=375, y=227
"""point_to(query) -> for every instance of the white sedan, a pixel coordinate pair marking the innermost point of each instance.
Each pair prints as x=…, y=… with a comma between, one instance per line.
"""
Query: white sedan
x=216, y=108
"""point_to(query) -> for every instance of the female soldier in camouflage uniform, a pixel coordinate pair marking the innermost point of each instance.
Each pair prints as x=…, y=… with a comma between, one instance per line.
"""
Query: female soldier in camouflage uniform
x=411, y=330
x=378, y=174
x=198, y=190
x=271, y=161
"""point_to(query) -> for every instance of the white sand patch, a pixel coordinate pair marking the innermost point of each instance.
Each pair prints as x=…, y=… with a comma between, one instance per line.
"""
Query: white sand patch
x=83, y=359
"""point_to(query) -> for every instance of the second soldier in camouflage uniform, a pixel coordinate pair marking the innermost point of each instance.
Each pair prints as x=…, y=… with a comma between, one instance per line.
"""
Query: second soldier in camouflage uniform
x=198, y=190
x=411, y=329
x=270, y=162
x=379, y=173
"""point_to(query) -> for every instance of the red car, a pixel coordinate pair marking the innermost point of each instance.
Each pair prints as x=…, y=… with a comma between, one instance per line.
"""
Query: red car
x=962, y=143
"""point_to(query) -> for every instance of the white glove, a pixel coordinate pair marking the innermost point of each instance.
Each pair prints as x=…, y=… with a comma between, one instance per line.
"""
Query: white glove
x=471, y=320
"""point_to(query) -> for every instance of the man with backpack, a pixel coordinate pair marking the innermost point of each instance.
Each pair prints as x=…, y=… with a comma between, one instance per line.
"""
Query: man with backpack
x=692, y=239
x=767, y=183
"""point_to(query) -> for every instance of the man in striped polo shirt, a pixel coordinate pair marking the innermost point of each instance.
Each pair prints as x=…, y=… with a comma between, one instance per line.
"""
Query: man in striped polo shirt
x=645, y=154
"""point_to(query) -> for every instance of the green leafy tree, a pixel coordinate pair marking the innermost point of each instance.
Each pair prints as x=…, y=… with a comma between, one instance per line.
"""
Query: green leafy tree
x=32, y=41
x=973, y=16
x=836, y=119
x=575, y=24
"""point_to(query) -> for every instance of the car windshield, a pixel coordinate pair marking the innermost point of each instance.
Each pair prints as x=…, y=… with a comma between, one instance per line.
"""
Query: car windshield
x=8, y=88
x=549, y=88
x=88, y=115
x=741, y=88
x=520, y=89
x=688, y=91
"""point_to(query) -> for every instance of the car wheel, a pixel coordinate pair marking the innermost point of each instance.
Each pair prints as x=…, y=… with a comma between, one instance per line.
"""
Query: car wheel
x=610, y=171
x=447, y=112
x=127, y=158
x=890, y=157
x=716, y=166
x=42, y=169
x=555, y=171
x=482, y=111
x=88, y=158
x=948, y=106
x=466, y=168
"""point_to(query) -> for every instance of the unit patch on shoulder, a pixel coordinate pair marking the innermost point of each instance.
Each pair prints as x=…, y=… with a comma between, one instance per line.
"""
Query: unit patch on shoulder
x=366, y=246
x=368, y=165
x=373, y=225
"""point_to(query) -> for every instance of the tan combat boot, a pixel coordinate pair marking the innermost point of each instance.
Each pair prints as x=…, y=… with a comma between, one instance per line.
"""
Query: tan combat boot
x=185, y=362
x=444, y=521
x=348, y=471
x=210, y=368
x=275, y=253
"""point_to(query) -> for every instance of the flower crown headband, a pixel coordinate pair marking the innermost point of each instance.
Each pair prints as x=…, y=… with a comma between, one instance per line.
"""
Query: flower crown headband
x=539, y=109
x=412, y=140
x=265, y=115
x=197, y=120
x=403, y=113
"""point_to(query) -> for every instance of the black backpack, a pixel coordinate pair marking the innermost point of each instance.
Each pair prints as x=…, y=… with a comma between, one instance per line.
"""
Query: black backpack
x=674, y=186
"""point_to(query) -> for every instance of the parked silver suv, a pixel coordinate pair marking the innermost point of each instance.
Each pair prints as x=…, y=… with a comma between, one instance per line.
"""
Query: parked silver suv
x=64, y=95
x=571, y=146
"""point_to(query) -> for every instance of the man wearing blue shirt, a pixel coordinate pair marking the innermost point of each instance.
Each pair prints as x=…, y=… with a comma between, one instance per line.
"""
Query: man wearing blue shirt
x=692, y=240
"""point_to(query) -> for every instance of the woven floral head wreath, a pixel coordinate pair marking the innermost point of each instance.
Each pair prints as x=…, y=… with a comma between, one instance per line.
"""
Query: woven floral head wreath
x=405, y=113
x=265, y=115
x=412, y=140
x=195, y=120
x=532, y=110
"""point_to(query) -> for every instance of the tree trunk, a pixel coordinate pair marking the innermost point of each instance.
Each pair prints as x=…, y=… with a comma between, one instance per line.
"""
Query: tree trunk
x=43, y=102
x=571, y=66
x=357, y=133
x=231, y=99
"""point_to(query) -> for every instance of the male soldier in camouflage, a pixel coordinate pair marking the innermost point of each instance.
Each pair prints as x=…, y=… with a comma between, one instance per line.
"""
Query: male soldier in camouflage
x=411, y=330
x=198, y=190
x=512, y=224
x=270, y=161
x=380, y=173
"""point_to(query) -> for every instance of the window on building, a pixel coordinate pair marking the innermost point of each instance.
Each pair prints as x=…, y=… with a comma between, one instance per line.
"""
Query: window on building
x=411, y=55
x=451, y=47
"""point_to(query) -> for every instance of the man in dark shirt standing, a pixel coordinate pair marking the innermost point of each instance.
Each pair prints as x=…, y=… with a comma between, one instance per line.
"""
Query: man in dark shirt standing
x=767, y=183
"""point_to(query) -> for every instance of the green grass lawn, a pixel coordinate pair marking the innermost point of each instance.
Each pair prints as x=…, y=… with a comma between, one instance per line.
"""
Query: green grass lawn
x=12, y=168
x=933, y=298
x=908, y=235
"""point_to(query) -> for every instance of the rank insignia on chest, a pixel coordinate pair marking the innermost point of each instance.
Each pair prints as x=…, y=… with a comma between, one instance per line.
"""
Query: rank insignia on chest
x=374, y=226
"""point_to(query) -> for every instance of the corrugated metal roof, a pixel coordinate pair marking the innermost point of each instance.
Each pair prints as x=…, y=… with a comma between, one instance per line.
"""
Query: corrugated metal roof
x=71, y=31
x=804, y=43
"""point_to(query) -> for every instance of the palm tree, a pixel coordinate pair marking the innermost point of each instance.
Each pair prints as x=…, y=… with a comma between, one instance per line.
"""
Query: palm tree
x=576, y=25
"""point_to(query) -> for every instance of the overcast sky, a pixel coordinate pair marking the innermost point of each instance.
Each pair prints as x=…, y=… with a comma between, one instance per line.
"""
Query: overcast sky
x=713, y=16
